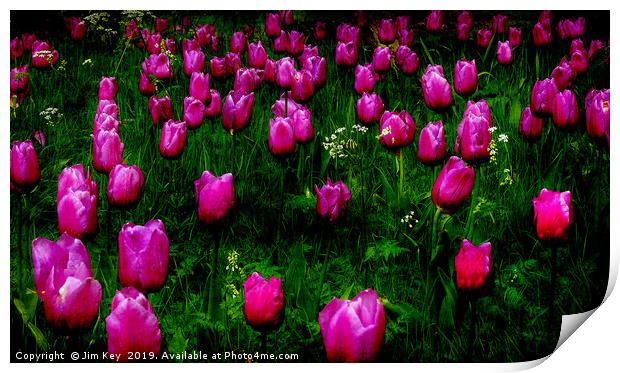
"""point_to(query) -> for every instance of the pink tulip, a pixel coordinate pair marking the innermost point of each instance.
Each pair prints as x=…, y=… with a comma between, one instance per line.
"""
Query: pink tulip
x=317, y=67
x=386, y=31
x=158, y=65
x=25, y=171
x=499, y=24
x=285, y=108
x=193, y=61
x=272, y=25
x=107, y=88
x=107, y=150
x=579, y=59
x=332, y=200
x=353, y=330
x=295, y=43
x=570, y=29
x=473, y=135
x=369, y=108
x=193, y=112
x=263, y=302
x=215, y=196
x=563, y=75
x=76, y=27
x=402, y=22
x=132, y=327
x=217, y=66
x=143, y=256
x=541, y=34
x=464, y=24
x=514, y=36
x=597, y=112
x=280, y=44
x=435, y=88
x=205, y=34
x=553, y=215
x=77, y=202
x=238, y=42
x=302, y=124
x=564, y=109
x=281, y=136
x=19, y=79
x=28, y=40
x=453, y=185
x=285, y=67
x=190, y=45
x=145, y=86
x=269, y=74
x=405, y=37
x=170, y=46
x=347, y=33
x=237, y=110
x=39, y=136
x=125, y=185
x=309, y=51
x=472, y=265
x=131, y=30
x=161, y=24
x=172, y=142
x=105, y=122
x=257, y=56
x=247, y=80
x=232, y=63
x=320, y=30
x=346, y=54
x=64, y=282
x=199, y=86
x=465, y=77
x=302, y=85
x=407, y=60
x=153, y=42
x=381, y=58
x=17, y=49
x=286, y=17
x=160, y=109
x=396, y=130
x=432, y=144
x=530, y=126
x=504, y=52
x=434, y=21
x=541, y=98
x=595, y=45
x=483, y=37
x=107, y=107
x=365, y=78
x=214, y=107
x=43, y=55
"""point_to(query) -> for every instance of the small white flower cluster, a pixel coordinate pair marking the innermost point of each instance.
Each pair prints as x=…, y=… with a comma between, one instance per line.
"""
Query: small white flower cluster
x=334, y=146
x=44, y=53
x=359, y=128
x=87, y=62
x=51, y=115
x=384, y=132
x=409, y=219
x=502, y=137
x=233, y=261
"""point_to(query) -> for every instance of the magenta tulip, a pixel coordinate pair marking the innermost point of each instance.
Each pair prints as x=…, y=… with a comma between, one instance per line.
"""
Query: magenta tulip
x=125, y=185
x=579, y=61
x=381, y=58
x=145, y=86
x=281, y=42
x=17, y=49
x=39, y=136
x=332, y=200
x=77, y=27
x=285, y=67
x=465, y=77
x=530, y=126
x=215, y=196
x=563, y=75
x=143, y=256
x=435, y=88
x=281, y=136
x=595, y=45
x=25, y=171
x=386, y=31
x=237, y=110
x=295, y=43
x=365, y=78
x=281, y=109
x=309, y=51
x=193, y=112
x=319, y=30
x=405, y=37
x=238, y=42
x=132, y=327
x=504, y=52
x=107, y=107
x=302, y=124
x=107, y=88
x=172, y=142
x=570, y=29
x=473, y=135
x=483, y=37
x=347, y=33
x=153, y=42
x=472, y=265
x=402, y=22
x=553, y=215
x=302, y=86
x=263, y=302
x=247, y=80
x=514, y=36
x=346, y=54
x=217, y=66
x=43, y=55
x=597, y=113
x=77, y=202
x=564, y=109
x=199, y=86
x=190, y=45
x=317, y=67
x=407, y=60
x=64, y=282
x=160, y=109
x=105, y=122
x=353, y=330
x=432, y=144
x=453, y=185
x=434, y=21
x=272, y=25
x=28, y=40
x=170, y=46
x=541, y=34
x=464, y=24
x=161, y=24
x=269, y=74
x=205, y=34
x=396, y=130
x=369, y=108
x=193, y=61
x=257, y=56
x=499, y=23
x=107, y=150
x=214, y=108
x=158, y=65
x=541, y=98
x=19, y=79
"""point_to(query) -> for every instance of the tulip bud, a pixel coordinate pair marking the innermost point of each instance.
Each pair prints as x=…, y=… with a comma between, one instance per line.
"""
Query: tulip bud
x=353, y=330
x=346, y=33
x=332, y=200
x=464, y=24
x=286, y=17
x=386, y=31
x=320, y=30
x=483, y=37
x=407, y=60
x=263, y=302
x=161, y=24
x=25, y=171
x=499, y=23
x=597, y=113
x=435, y=88
x=579, y=61
x=432, y=144
x=541, y=33
x=369, y=108
x=237, y=110
x=107, y=150
x=105, y=122
x=158, y=65
x=472, y=265
x=302, y=124
x=77, y=202
x=28, y=40
x=77, y=27
x=217, y=66
x=317, y=67
x=302, y=85
x=530, y=126
x=19, y=79
x=193, y=61
x=64, y=283
x=214, y=107
x=190, y=45
x=473, y=135
x=434, y=21
x=405, y=37
x=285, y=68
x=346, y=54
x=281, y=136
x=396, y=130
x=172, y=142
x=43, y=55
x=193, y=112
x=280, y=44
x=595, y=45
x=132, y=316
x=125, y=185
x=238, y=42
x=272, y=25
x=285, y=107
x=569, y=28
x=553, y=215
x=107, y=107
x=465, y=77
x=504, y=52
x=39, y=136
x=153, y=42
x=170, y=46
x=215, y=196
x=542, y=96
x=17, y=49
x=295, y=43
x=107, y=88
x=365, y=78
x=160, y=109
x=564, y=109
x=199, y=87
x=143, y=256
x=145, y=86
x=381, y=58
x=514, y=36
x=257, y=56
x=563, y=75
x=453, y=185
x=309, y=51
x=247, y=80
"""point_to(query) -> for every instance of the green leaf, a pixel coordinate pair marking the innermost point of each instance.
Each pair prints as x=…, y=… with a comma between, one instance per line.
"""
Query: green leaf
x=384, y=249
x=28, y=306
x=178, y=343
x=38, y=337
x=448, y=304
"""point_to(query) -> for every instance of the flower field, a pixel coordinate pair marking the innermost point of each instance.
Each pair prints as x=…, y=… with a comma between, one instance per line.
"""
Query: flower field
x=306, y=186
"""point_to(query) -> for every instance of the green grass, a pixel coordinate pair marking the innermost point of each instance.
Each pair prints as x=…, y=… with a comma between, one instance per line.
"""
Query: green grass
x=370, y=248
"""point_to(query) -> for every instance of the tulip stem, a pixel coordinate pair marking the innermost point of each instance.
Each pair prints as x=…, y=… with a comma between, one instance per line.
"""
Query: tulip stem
x=118, y=64
x=401, y=170
x=19, y=243
x=472, y=329
x=435, y=241
x=263, y=341
x=469, y=226
x=554, y=260
x=214, y=273
x=331, y=232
